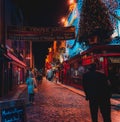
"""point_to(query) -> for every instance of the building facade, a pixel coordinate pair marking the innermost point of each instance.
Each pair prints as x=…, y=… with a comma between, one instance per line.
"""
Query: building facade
x=107, y=56
x=12, y=52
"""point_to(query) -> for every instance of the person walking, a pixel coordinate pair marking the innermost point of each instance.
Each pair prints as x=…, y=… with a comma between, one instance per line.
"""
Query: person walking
x=56, y=76
x=39, y=78
x=49, y=74
x=31, y=84
x=97, y=90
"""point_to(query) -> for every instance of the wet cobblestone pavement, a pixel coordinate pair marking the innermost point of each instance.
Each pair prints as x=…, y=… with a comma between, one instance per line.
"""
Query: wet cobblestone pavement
x=55, y=103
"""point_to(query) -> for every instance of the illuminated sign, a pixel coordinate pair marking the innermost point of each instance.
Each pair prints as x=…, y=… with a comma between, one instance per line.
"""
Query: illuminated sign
x=13, y=111
x=114, y=59
x=40, y=34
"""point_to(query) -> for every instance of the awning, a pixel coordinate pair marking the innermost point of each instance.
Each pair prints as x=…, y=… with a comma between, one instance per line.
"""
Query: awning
x=15, y=59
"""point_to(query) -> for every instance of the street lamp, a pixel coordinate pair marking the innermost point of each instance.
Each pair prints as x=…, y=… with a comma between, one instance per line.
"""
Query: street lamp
x=63, y=20
x=71, y=2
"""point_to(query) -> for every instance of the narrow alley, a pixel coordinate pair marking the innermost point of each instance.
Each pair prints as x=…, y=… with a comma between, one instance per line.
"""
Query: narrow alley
x=55, y=103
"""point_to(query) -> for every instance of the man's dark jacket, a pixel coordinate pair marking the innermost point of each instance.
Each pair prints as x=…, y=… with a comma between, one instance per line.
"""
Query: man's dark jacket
x=95, y=84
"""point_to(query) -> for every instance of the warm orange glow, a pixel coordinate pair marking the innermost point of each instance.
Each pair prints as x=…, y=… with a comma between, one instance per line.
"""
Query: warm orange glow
x=54, y=46
x=71, y=1
x=63, y=20
x=50, y=49
x=72, y=5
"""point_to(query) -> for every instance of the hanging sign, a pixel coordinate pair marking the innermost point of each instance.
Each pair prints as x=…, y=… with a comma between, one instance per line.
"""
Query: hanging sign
x=40, y=34
x=114, y=59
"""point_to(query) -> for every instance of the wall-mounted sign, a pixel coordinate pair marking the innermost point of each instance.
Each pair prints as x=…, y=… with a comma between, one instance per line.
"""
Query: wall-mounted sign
x=114, y=59
x=12, y=111
x=40, y=34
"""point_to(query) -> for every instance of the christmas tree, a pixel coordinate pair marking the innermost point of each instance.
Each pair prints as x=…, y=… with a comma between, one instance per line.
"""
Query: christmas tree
x=94, y=21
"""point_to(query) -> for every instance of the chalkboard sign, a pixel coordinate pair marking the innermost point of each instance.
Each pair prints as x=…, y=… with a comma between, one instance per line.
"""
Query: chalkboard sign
x=13, y=111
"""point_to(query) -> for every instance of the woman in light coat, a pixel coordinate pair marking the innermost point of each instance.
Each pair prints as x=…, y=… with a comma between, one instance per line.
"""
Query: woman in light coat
x=31, y=83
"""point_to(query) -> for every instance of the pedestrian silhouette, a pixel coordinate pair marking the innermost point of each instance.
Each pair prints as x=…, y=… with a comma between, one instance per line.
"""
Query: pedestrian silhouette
x=56, y=76
x=31, y=83
x=97, y=90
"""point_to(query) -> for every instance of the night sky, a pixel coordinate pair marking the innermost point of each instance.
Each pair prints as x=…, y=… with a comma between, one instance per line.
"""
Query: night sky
x=42, y=13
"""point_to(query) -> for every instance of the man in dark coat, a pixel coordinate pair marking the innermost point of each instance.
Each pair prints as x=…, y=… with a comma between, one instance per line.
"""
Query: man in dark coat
x=97, y=90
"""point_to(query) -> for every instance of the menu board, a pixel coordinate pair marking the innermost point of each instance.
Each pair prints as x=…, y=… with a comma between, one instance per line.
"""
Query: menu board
x=13, y=111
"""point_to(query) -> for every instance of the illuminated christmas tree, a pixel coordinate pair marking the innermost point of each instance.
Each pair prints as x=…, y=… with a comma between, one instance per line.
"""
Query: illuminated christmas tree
x=94, y=21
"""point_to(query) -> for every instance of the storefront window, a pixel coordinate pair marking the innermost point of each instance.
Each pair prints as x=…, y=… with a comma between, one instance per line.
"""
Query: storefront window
x=114, y=72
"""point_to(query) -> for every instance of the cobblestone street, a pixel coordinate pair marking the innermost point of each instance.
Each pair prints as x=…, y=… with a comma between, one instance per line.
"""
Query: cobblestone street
x=55, y=103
